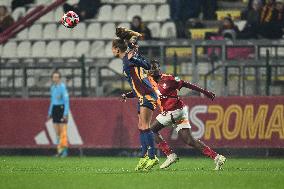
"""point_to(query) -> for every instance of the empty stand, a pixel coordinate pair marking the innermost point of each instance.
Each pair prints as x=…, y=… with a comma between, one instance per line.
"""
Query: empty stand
x=119, y=13
x=50, y=31
x=132, y=11
x=38, y=49
x=79, y=32
x=82, y=48
x=35, y=31
x=168, y=30
x=93, y=31
x=10, y=50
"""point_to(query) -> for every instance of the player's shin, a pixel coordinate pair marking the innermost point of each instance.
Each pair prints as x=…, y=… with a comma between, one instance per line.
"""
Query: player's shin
x=144, y=158
x=150, y=143
x=165, y=148
x=143, y=141
x=209, y=152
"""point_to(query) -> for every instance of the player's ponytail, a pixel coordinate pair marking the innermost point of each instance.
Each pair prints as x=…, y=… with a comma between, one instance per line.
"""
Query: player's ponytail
x=125, y=38
x=126, y=34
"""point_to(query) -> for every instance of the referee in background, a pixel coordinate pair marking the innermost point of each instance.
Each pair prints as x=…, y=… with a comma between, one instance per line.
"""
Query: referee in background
x=58, y=112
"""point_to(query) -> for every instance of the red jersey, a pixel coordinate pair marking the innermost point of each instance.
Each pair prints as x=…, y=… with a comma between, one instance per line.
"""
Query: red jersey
x=168, y=87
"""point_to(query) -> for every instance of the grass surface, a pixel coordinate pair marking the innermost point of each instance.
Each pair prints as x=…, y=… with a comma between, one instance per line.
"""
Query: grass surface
x=81, y=173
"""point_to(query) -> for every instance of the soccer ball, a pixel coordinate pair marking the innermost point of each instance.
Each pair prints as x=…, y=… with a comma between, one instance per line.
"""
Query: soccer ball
x=70, y=19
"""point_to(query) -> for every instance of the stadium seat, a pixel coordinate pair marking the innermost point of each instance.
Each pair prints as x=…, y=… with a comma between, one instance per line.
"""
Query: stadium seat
x=79, y=32
x=105, y=72
x=155, y=29
x=116, y=64
x=280, y=51
x=18, y=82
x=163, y=12
x=35, y=31
x=234, y=14
x=82, y=48
x=38, y=49
x=124, y=24
x=43, y=2
x=168, y=30
x=23, y=34
x=68, y=49
x=31, y=82
x=24, y=49
x=105, y=13
x=159, y=1
x=49, y=17
x=108, y=52
x=97, y=49
x=9, y=50
x=58, y=13
x=108, y=31
x=200, y=33
x=63, y=32
x=6, y=3
x=18, y=13
x=119, y=13
x=49, y=31
x=149, y=13
x=93, y=82
x=72, y=2
x=132, y=11
x=53, y=49
x=94, y=31
x=77, y=82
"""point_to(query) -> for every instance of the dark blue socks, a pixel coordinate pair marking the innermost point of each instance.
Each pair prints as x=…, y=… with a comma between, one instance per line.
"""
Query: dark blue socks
x=147, y=143
x=143, y=142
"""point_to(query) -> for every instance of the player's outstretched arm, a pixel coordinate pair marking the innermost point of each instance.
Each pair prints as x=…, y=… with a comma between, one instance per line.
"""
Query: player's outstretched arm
x=127, y=95
x=194, y=87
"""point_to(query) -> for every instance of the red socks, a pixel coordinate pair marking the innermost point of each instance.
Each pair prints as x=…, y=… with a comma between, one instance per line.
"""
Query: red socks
x=209, y=152
x=165, y=148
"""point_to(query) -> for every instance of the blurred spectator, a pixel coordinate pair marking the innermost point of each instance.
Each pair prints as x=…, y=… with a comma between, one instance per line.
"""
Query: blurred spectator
x=251, y=2
x=86, y=9
x=253, y=5
x=268, y=12
x=269, y=21
x=20, y=3
x=209, y=8
x=6, y=19
x=252, y=16
x=280, y=12
x=228, y=28
x=138, y=26
x=181, y=11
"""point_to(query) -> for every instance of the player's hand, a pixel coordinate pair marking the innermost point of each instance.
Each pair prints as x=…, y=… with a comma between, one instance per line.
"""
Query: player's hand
x=211, y=95
x=130, y=54
x=123, y=97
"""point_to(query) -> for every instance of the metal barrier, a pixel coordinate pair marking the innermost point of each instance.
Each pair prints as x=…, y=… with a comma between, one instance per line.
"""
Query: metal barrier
x=255, y=75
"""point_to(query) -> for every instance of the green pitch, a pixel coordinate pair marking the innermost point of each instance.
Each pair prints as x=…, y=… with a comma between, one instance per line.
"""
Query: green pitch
x=81, y=173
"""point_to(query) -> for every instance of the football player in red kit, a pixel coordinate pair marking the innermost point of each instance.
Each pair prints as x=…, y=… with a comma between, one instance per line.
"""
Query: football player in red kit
x=175, y=113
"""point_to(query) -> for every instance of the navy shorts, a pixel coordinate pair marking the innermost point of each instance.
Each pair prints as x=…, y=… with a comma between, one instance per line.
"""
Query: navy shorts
x=148, y=101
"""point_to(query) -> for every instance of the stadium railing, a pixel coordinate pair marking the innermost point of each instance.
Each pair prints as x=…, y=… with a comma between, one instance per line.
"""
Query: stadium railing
x=187, y=59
